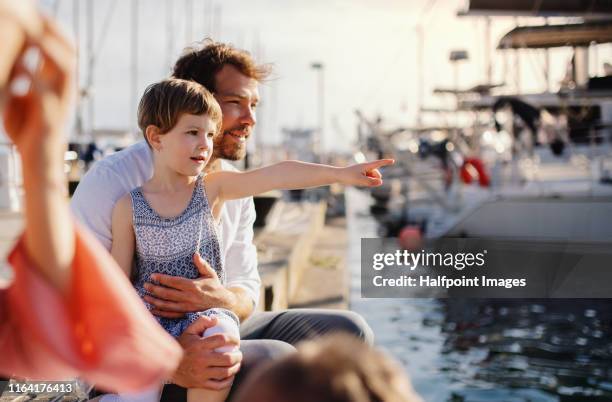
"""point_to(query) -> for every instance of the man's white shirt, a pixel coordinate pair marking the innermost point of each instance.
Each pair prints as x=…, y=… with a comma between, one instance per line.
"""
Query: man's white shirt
x=118, y=174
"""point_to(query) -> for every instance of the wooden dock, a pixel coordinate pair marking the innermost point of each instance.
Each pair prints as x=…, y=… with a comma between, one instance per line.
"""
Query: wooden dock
x=302, y=258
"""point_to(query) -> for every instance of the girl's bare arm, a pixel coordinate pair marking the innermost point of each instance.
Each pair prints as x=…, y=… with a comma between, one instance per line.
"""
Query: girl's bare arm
x=289, y=175
x=122, y=248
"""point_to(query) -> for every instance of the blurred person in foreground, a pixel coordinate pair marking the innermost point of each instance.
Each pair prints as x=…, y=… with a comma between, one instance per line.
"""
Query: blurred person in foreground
x=56, y=307
x=337, y=368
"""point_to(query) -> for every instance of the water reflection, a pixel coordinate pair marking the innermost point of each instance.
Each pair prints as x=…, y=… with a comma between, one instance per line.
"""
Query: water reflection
x=554, y=346
x=490, y=350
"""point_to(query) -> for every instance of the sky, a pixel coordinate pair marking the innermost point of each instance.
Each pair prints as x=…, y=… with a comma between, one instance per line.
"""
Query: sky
x=368, y=49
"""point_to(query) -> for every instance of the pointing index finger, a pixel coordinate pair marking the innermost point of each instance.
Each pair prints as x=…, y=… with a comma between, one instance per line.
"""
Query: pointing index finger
x=380, y=163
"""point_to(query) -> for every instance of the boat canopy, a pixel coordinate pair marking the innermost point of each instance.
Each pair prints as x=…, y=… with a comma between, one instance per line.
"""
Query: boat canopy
x=547, y=36
x=540, y=8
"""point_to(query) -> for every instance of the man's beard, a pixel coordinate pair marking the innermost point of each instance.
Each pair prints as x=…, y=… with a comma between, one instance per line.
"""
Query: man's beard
x=227, y=148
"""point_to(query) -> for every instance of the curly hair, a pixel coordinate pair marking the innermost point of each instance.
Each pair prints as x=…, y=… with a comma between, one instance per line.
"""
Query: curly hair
x=201, y=63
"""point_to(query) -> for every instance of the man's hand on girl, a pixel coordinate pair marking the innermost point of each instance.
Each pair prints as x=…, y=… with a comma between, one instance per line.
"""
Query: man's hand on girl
x=175, y=296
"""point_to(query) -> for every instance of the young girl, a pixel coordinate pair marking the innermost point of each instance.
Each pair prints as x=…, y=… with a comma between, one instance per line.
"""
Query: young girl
x=161, y=225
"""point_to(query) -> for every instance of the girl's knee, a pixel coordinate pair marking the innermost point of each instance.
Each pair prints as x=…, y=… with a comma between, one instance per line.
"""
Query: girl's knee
x=227, y=323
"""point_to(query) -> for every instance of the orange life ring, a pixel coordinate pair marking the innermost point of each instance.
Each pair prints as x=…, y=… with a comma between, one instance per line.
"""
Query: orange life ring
x=473, y=167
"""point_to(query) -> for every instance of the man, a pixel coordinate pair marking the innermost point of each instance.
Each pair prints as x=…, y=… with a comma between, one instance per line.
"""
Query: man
x=233, y=77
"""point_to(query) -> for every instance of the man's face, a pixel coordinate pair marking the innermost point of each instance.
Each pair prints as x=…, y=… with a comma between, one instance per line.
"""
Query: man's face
x=238, y=96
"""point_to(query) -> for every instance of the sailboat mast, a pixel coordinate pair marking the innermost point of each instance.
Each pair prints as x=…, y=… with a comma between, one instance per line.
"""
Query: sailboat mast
x=421, y=73
x=488, y=59
x=76, y=19
x=169, y=33
x=134, y=57
x=90, y=65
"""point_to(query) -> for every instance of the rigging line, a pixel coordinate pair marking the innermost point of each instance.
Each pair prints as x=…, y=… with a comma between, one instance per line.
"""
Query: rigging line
x=55, y=8
x=374, y=91
x=533, y=63
x=169, y=34
x=427, y=10
x=427, y=7
x=104, y=31
x=427, y=13
x=423, y=14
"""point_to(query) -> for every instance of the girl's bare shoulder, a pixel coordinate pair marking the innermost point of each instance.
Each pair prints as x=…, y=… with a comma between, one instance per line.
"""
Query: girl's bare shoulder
x=123, y=207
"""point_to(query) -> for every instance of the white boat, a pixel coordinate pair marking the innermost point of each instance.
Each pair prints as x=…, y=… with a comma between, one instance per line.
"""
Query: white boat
x=533, y=193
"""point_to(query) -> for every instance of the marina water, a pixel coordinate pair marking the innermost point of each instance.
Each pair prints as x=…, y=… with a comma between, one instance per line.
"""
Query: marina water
x=488, y=350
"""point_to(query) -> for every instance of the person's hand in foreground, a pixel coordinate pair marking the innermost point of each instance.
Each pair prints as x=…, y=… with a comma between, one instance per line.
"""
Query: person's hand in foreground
x=68, y=311
x=34, y=115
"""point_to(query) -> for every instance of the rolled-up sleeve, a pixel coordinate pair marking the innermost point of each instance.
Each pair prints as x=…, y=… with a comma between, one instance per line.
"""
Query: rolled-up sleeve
x=99, y=330
x=241, y=256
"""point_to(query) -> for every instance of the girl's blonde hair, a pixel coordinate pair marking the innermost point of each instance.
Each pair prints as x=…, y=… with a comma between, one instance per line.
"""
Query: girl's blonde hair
x=163, y=103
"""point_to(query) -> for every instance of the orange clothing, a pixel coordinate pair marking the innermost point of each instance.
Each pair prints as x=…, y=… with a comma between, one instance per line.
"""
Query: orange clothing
x=100, y=331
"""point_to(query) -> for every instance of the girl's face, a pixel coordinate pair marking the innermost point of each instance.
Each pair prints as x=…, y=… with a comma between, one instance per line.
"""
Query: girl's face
x=187, y=148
